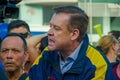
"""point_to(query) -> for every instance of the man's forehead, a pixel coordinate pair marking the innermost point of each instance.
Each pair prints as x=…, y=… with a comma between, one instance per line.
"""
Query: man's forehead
x=12, y=39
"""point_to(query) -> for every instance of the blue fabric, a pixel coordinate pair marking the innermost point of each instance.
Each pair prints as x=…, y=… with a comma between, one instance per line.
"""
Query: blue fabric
x=1, y=65
x=110, y=74
x=66, y=65
x=82, y=69
x=3, y=30
x=2, y=75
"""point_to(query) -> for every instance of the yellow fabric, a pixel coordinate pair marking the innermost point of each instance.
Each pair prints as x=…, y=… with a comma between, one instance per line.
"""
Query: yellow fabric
x=37, y=59
x=27, y=78
x=97, y=59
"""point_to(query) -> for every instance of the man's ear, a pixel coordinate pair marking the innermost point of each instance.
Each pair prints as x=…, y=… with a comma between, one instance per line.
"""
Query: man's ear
x=75, y=34
x=26, y=57
x=37, y=47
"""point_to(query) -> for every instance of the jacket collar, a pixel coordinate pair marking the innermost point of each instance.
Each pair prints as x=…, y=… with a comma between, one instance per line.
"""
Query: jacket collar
x=79, y=65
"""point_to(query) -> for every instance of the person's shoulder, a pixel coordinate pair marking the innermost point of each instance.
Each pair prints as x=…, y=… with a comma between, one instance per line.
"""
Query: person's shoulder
x=96, y=56
x=23, y=76
x=46, y=52
x=93, y=51
x=99, y=60
x=2, y=75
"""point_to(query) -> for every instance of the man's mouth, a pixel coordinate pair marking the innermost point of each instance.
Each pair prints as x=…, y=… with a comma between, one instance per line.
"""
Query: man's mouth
x=9, y=63
x=51, y=41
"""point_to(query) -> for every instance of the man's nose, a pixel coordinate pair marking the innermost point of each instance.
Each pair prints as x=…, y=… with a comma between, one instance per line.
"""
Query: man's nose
x=50, y=31
x=9, y=54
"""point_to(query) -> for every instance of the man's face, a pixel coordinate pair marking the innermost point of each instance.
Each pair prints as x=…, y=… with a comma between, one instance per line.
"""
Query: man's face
x=21, y=30
x=118, y=50
x=59, y=37
x=12, y=53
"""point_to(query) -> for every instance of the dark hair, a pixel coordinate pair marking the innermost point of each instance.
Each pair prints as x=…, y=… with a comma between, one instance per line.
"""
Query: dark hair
x=18, y=35
x=44, y=43
x=0, y=40
x=115, y=33
x=78, y=19
x=17, y=24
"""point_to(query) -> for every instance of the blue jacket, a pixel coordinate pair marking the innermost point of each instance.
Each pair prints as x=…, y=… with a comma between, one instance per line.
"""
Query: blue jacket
x=90, y=64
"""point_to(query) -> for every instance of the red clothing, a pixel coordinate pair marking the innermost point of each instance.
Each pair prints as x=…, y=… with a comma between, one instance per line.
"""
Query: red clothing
x=115, y=71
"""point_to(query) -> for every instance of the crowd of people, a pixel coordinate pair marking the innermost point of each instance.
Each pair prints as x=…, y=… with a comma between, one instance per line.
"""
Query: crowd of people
x=63, y=53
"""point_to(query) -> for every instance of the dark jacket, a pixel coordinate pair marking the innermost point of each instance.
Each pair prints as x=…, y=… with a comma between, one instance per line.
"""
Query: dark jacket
x=90, y=64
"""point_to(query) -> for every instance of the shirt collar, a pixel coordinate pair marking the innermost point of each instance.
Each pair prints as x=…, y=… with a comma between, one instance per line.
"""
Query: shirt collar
x=74, y=54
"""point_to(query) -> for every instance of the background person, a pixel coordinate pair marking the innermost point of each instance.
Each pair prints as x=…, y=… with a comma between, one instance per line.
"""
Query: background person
x=33, y=42
x=115, y=33
x=19, y=26
x=22, y=28
x=116, y=67
x=33, y=49
x=108, y=44
x=13, y=55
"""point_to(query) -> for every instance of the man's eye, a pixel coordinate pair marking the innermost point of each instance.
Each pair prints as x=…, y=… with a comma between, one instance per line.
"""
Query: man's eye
x=57, y=27
x=54, y=27
x=4, y=51
x=16, y=51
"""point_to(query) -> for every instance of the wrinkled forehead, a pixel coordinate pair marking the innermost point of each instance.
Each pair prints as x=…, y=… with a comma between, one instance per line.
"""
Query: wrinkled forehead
x=13, y=38
x=9, y=43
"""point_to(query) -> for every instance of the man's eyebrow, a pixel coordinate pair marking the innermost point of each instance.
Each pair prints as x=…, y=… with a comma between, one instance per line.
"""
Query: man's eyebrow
x=53, y=24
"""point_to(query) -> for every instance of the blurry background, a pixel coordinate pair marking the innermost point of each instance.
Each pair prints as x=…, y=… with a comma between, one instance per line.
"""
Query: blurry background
x=37, y=14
